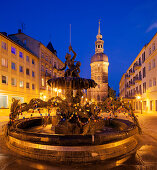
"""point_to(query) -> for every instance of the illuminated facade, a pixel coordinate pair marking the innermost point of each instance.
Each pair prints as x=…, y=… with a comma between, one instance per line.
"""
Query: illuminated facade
x=25, y=66
x=138, y=85
x=18, y=75
x=99, y=71
x=47, y=60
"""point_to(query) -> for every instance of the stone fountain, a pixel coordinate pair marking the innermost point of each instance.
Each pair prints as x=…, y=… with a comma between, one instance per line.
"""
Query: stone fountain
x=78, y=133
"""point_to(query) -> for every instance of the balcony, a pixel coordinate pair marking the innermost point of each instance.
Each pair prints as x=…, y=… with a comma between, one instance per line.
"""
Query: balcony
x=137, y=66
x=127, y=86
x=132, y=84
x=127, y=76
x=132, y=72
x=137, y=79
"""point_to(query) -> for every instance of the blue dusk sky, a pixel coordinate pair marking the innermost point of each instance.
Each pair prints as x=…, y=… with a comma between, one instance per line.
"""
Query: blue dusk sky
x=126, y=26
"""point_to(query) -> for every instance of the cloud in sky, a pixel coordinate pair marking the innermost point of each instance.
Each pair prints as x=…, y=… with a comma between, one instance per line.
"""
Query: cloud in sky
x=152, y=26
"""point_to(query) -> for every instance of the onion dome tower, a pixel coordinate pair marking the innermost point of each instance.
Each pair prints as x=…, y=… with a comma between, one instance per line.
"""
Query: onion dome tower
x=99, y=71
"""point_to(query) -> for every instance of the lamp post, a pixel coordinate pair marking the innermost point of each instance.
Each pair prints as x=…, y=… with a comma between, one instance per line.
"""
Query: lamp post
x=139, y=98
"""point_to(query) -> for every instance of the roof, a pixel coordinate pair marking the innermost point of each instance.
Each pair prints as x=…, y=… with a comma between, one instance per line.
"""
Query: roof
x=99, y=57
x=16, y=41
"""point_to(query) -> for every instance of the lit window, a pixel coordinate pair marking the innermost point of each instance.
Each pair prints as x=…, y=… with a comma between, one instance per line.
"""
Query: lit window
x=21, y=69
x=33, y=86
x=4, y=80
x=42, y=82
x=20, y=54
x=4, y=101
x=13, y=50
x=4, y=62
x=33, y=62
x=21, y=84
x=27, y=71
x=13, y=81
x=13, y=66
x=33, y=74
x=154, y=81
x=4, y=45
x=27, y=85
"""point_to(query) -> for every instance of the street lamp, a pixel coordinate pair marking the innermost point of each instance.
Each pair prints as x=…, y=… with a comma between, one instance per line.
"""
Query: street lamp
x=139, y=98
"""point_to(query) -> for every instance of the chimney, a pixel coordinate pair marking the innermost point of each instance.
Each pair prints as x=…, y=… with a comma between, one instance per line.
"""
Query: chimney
x=19, y=31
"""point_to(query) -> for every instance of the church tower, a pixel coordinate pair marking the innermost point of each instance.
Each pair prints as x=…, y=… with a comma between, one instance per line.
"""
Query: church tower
x=99, y=71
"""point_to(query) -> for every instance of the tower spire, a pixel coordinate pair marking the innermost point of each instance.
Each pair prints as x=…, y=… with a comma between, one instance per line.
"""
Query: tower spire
x=99, y=28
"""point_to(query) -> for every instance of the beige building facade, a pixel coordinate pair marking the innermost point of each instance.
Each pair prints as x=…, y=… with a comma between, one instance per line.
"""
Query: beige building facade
x=99, y=71
x=25, y=66
x=138, y=85
x=47, y=60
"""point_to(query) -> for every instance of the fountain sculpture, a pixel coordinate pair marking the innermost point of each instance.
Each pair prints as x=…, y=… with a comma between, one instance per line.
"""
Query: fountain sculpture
x=80, y=134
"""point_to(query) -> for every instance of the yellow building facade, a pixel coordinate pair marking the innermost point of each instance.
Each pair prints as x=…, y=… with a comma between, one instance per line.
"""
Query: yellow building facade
x=138, y=85
x=25, y=66
x=19, y=70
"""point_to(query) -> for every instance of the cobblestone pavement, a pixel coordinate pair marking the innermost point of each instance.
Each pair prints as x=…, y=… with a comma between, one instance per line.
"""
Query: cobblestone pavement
x=145, y=157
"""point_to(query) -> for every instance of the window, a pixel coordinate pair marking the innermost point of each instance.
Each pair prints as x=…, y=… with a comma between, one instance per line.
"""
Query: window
x=27, y=58
x=151, y=105
x=21, y=99
x=13, y=81
x=154, y=81
x=24, y=42
x=21, y=84
x=42, y=55
x=13, y=50
x=42, y=82
x=153, y=46
x=13, y=66
x=150, y=83
x=149, y=51
x=144, y=105
x=4, y=62
x=46, y=58
x=144, y=72
x=27, y=71
x=21, y=69
x=98, y=46
x=33, y=74
x=4, y=45
x=4, y=101
x=149, y=66
x=20, y=54
x=153, y=63
x=27, y=85
x=33, y=62
x=33, y=86
x=136, y=105
x=143, y=57
x=139, y=61
x=144, y=87
x=4, y=80
x=42, y=68
x=55, y=65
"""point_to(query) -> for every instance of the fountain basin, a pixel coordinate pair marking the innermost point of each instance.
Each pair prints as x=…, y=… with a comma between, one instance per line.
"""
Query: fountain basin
x=102, y=145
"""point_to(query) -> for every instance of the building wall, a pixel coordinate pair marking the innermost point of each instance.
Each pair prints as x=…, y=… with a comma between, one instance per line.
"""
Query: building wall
x=144, y=86
x=47, y=60
x=99, y=73
x=10, y=88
